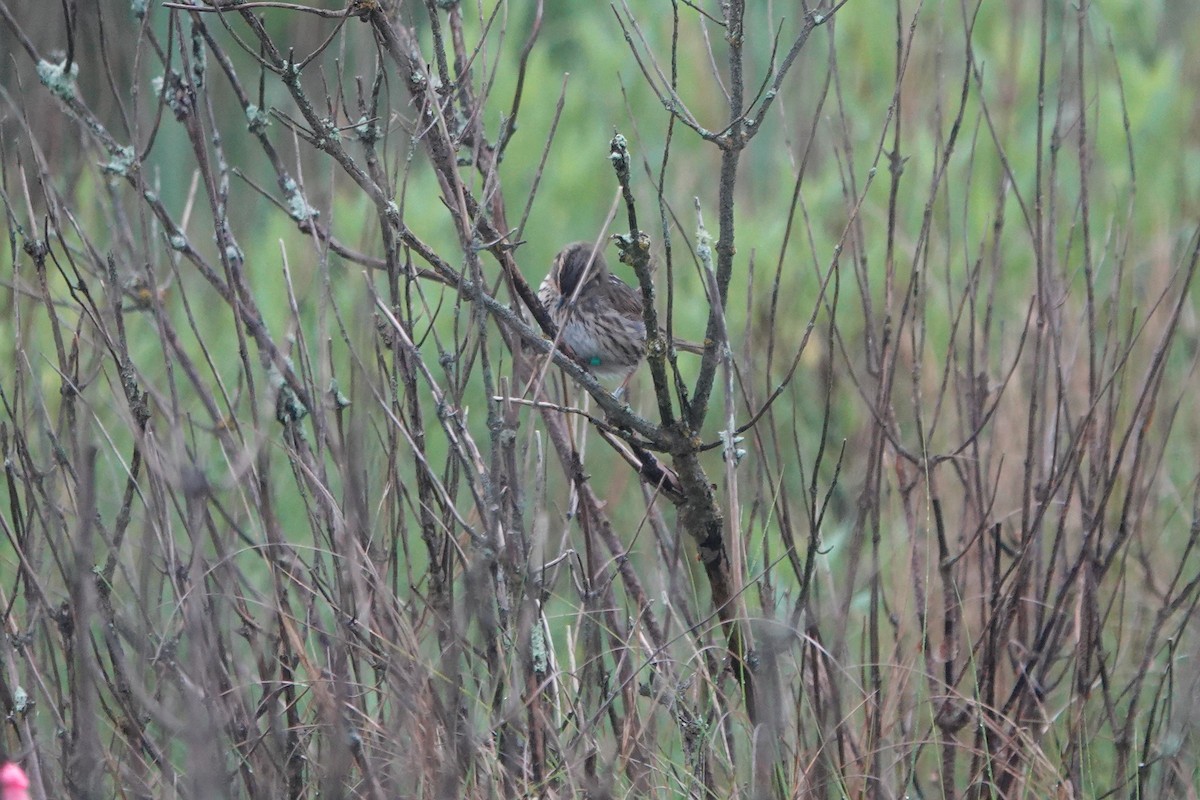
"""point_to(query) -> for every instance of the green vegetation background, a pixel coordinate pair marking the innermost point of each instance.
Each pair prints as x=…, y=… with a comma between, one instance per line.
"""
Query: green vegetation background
x=1145, y=65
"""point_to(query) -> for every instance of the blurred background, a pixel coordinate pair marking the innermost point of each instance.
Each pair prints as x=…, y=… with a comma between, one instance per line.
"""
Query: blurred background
x=889, y=214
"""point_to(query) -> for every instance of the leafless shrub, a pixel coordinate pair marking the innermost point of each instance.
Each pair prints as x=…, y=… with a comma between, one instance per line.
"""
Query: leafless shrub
x=329, y=508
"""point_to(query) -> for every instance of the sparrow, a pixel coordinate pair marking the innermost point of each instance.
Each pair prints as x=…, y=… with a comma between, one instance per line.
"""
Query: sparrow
x=599, y=316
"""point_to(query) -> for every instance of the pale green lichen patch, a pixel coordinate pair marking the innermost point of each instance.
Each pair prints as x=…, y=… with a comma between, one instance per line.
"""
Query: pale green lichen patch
x=58, y=79
x=366, y=131
x=298, y=207
x=340, y=401
x=123, y=160
x=288, y=407
x=257, y=120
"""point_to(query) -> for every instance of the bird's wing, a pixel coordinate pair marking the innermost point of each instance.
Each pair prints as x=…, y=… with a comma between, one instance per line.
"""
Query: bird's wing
x=625, y=299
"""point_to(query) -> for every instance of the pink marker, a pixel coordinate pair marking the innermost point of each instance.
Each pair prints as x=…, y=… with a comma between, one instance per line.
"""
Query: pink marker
x=14, y=784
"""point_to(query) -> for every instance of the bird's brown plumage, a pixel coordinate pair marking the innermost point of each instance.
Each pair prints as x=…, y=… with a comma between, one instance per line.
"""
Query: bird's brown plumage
x=598, y=315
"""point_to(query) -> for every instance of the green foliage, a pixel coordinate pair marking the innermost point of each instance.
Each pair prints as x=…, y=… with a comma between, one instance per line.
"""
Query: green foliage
x=930, y=257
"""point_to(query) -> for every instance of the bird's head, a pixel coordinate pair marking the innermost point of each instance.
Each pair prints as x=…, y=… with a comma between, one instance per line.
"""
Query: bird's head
x=578, y=263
